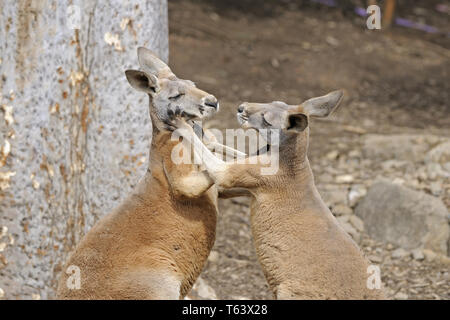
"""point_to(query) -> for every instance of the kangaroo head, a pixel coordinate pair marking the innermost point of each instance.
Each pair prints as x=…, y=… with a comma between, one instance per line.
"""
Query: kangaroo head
x=290, y=120
x=168, y=93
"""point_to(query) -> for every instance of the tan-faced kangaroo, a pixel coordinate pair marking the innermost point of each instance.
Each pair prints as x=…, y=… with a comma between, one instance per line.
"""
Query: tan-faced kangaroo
x=154, y=245
x=304, y=252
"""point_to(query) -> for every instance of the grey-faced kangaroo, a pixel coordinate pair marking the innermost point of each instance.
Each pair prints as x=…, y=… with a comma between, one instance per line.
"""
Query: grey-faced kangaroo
x=154, y=245
x=303, y=251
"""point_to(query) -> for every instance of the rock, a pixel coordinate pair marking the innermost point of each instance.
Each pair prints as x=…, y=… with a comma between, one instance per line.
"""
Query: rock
x=421, y=174
x=2, y=293
x=439, y=154
x=350, y=230
x=399, y=253
x=355, y=194
x=275, y=63
x=346, y=178
x=240, y=298
x=407, y=218
x=332, y=155
x=393, y=164
x=444, y=260
x=399, y=147
x=446, y=166
x=354, y=129
x=429, y=254
x=332, y=41
x=214, y=17
x=354, y=154
x=3, y=232
x=436, y=188
x=417, y=254
x=374, y=259
x=434, y=171
x=401, y=296
x=398, y=181
x=213, y=256
x=201, y=290
x=334, y=196
x=326, y=177
x=357, y=223
x=342, y=219
x=342, y=210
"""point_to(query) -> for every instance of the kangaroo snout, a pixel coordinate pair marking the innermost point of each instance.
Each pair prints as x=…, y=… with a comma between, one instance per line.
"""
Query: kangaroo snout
x=241, y=108
x=212, y=102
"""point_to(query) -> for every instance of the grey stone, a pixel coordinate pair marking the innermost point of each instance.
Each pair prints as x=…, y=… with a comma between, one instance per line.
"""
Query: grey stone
x=342, y=210
x=440, y=153
x=374, y=259
x=429, y=255
x=213, y=256
x=346, y=178
x=357, y=223
x=240, y=298
x=350, y=230
x=435, y=171
x=399, y=146
x=77, y=124
x=399, y=253
x=355, y=194
x=393, y=164
x=342, y=219
x=202, y=290
x=417, y=254
x=446, y=167
x=334, y=196
x=401, y=296
x=436, y=188
x=407, y=218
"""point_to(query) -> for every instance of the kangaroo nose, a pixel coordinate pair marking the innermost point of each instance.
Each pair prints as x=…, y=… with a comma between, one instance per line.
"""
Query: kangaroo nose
x=241, y=108
x=212, y=102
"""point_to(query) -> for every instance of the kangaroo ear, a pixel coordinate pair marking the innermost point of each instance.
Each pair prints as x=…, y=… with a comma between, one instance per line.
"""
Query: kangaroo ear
x=150, y=62
x=323, y=106
x=142, y=81
x=297, y=122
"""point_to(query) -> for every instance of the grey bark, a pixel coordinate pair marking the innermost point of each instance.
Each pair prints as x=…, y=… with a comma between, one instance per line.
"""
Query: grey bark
x=74, y=136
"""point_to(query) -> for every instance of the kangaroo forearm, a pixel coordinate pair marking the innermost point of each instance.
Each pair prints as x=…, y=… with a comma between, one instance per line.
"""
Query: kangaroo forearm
x=235, y=175
x=225, y=174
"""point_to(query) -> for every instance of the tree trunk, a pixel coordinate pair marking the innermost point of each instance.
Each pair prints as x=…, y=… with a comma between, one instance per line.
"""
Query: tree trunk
x=74, y=136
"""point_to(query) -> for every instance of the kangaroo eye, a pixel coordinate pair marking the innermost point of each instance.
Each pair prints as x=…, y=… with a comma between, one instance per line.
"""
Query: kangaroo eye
x=177, y=96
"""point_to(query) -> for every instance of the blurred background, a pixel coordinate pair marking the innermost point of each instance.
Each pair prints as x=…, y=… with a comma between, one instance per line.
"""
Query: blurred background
x=390, y=135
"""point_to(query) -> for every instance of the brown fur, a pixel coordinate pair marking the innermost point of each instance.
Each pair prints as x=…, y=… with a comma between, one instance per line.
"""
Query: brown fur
x=154, y=245
x=156, y=229
x=304, y=252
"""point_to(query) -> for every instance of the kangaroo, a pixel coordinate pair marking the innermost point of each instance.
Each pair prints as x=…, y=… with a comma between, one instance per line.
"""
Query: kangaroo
x=303, y=251
x=154, y=245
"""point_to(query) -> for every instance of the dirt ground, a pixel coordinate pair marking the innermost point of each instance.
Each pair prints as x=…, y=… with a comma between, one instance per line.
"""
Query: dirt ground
x=395, y=81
